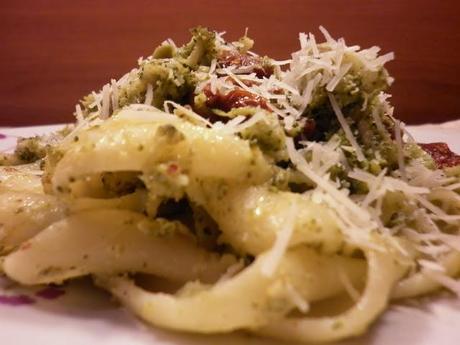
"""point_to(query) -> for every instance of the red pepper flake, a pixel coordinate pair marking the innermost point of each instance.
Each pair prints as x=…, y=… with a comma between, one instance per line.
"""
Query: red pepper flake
x=16, y=300
x=50, y=292
x=2, y=136
x=308, y=128
x=172, y=168
x=441, y=154
x=25, y=246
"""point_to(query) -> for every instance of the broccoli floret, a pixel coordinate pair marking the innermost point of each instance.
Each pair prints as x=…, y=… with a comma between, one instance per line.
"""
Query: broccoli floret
x=415, y=153
x=244, y=44
x=170, y=71
x=164, y=51
x=201, y=50
x=28, y=150
x=269, y=136
x=170, y=79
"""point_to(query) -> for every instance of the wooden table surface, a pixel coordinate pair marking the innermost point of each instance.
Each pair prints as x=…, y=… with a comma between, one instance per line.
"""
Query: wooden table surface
x=54, y=52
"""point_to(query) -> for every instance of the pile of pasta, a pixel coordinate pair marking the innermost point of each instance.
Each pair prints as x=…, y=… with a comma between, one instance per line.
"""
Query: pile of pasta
x=147, y=195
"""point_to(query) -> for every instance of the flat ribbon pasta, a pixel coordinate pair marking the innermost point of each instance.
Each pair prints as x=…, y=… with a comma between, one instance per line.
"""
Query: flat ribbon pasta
x=134, y=201
x=262, y=211
x=125, y=144
x=383, y=272
x=21, y=178
x=108, y=242
x=23, y=215
x=421, y=283
x=248, y=300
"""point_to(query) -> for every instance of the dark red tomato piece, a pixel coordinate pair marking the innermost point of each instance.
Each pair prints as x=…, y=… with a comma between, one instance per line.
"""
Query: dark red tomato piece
x=441, y=154
x=235, y=58
x=236, y=98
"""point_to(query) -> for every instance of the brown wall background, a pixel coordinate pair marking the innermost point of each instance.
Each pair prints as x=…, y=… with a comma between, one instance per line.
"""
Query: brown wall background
x=54, y=52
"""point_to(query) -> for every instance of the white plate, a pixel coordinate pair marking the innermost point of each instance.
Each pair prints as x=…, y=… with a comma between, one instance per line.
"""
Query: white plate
x=85, y=315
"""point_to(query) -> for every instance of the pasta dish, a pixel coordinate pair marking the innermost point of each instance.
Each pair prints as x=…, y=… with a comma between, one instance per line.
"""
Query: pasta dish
x=211, y=189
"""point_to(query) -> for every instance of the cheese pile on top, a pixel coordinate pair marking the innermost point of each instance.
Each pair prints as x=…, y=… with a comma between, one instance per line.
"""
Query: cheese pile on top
x=326, y=91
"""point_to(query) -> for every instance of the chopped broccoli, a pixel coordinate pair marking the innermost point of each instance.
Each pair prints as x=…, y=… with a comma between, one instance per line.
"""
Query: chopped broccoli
x=269, y=136
x=28, y=150
x=170, y=72
x=201, y=50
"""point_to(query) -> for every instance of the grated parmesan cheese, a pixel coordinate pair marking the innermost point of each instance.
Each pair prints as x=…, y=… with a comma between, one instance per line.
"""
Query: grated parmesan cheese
x=187, y=112
x=446, y=281
x=325, y=184
x=149, y=95
x=326, y=35
x=297, y=299
x=114, y=92
x=348, y=285
x=346, y=128
x=105, y=109
x=331, y=85
x=79, y=114
x=400, y=149
x=283, y=236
